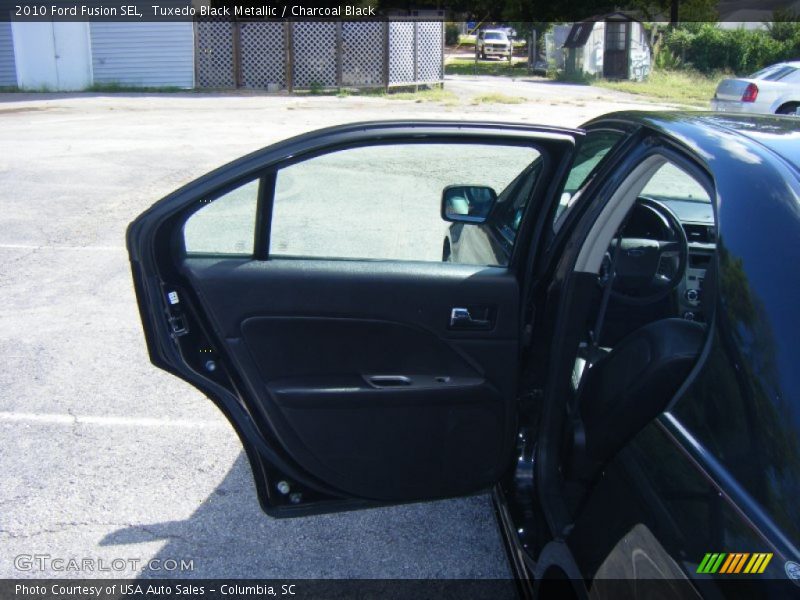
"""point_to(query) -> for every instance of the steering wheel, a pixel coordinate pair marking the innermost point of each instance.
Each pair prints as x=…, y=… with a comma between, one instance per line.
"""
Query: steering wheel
x=646, y=270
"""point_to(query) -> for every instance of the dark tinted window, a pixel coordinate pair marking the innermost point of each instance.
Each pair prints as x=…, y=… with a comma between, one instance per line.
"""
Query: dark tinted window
x=775, y=74
x=596, y=145
x=513, y=200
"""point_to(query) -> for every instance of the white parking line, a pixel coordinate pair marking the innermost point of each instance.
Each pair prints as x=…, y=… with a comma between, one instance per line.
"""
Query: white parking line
x=62, y=419
x=35, y=247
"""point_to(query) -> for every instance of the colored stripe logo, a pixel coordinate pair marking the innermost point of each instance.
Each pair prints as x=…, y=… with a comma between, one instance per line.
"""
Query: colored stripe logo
x=734, y=563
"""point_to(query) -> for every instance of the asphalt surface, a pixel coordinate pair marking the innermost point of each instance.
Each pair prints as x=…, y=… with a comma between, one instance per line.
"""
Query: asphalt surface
x=105, y=457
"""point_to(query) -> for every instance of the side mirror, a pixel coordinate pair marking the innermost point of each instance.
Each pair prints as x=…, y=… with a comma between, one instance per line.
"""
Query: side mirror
x=467, y=203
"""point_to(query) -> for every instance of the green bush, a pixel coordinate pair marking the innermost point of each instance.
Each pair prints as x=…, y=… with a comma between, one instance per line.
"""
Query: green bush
x=451, y=34
x=785, y=27
x=708, y=49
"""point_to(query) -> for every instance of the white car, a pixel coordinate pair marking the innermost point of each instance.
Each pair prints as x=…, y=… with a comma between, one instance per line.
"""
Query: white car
x=494, y=42
x=773, y=90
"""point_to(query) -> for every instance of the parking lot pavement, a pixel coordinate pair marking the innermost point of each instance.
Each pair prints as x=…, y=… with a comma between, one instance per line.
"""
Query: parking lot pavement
x=103, y=455
x=553, y=94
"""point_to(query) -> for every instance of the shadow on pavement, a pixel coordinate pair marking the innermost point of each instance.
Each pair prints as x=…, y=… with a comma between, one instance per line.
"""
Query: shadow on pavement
x=228, y=536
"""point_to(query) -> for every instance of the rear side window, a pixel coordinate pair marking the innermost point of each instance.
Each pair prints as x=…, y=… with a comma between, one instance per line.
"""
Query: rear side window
x=383, y=202
x=778, y=74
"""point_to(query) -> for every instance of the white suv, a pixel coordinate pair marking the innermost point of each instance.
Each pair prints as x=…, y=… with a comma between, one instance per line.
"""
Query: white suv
x=493, y=42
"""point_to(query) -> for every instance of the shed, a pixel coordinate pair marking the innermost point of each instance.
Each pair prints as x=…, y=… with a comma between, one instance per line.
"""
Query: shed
x=8, y=68
x=613, y=46
x=143, y=54
x=72, y=55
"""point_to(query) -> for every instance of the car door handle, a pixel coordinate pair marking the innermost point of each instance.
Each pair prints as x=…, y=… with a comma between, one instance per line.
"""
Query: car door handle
x=462, y=317
x=389, y=380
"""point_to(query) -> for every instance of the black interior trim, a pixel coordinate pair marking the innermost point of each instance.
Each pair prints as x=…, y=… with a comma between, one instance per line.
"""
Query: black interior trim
x=353, y=366
x=263, y=224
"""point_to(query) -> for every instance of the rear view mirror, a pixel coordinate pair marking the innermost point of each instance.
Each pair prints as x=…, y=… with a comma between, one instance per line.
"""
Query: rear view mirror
x=467, y=203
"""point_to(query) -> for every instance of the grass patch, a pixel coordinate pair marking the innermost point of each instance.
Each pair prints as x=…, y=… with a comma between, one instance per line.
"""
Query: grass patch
x=465, y=39
x=468, y=41
x=496, y=98
x=120, y=88
x=579, y=78
x=688, y=88
x=432, y=94
x=436, y=94
x=468, y=66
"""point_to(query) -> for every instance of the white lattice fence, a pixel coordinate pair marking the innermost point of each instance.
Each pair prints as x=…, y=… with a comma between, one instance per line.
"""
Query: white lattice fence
x=325, y=54
x=263, y=57
x=314, y=47
x=429, y=51
x=362, y=48
x=214, y=54
x=401, y=52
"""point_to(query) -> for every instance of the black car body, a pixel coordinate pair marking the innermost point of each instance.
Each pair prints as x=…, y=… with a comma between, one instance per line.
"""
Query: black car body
x=630, y=433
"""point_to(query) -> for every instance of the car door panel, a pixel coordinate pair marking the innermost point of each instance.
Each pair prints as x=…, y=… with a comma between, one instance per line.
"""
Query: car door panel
x=337, y=384
x=345, y=379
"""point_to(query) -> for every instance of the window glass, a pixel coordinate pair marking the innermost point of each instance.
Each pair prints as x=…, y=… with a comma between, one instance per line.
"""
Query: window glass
x=224, y=225
x=774, y=73
x=511, y=205
x=595, y=146
x=763, y=72
x=616, y=34
x=383, y=202
x=673, y=182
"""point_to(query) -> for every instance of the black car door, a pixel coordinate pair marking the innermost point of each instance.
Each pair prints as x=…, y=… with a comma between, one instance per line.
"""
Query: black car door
x=301, y=288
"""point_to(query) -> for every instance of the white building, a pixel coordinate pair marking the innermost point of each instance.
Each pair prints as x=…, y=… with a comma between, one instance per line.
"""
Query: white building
x=8, y=67
x=614, y=46
x=75, y=55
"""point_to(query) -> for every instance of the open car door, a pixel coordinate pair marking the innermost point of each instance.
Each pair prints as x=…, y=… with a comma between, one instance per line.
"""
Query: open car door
x=302, y=289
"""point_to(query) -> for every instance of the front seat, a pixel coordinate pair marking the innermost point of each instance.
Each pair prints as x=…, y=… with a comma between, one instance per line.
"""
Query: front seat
x=631, y=385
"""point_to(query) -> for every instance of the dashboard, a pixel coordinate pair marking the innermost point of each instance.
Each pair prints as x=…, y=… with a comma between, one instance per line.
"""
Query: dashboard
x=697, y=219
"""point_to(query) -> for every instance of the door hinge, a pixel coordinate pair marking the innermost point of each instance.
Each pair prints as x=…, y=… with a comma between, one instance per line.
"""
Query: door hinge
x=175, y=318
x=527, y=335
x=529, y=399
x=177, y=326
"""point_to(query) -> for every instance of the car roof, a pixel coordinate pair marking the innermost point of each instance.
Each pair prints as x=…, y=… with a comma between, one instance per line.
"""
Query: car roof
x=503, y=31
x=788, y=63
x=780, y=135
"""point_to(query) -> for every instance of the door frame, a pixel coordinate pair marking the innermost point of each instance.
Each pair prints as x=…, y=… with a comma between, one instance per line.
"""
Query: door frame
x=151, y=238
x=622, y=72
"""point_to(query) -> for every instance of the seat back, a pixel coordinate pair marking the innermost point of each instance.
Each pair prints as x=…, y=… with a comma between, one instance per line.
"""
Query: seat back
x=630, y=386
